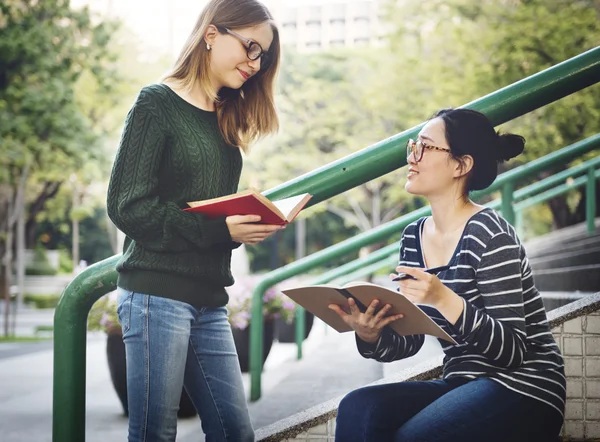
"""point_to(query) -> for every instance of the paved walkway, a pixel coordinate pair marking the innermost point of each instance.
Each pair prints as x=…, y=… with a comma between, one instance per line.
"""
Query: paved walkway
x=330, y=368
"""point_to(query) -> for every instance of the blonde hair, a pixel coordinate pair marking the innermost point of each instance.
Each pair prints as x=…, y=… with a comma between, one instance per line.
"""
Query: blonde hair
x=246, y=114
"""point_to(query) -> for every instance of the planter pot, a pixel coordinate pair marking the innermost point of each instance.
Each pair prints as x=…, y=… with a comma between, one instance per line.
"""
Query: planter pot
x=242, y=343
x=115, y=352
x=287, y=332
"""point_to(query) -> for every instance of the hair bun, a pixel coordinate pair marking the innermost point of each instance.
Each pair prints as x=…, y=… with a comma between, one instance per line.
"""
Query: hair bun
x=509, y=146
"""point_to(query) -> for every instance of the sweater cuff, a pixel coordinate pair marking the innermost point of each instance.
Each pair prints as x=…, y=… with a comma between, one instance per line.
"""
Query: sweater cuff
x=365, y=349
x=214, y=231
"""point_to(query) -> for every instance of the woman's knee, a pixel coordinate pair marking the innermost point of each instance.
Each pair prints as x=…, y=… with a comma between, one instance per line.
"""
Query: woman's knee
x=359, y=402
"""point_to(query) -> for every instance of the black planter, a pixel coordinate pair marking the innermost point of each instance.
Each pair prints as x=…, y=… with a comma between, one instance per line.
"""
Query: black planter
x=242, y=343
x=287, y=332
x=115, y=352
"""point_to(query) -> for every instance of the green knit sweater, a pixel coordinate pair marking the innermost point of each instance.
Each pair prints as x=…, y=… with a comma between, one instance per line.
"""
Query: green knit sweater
x=172, y=152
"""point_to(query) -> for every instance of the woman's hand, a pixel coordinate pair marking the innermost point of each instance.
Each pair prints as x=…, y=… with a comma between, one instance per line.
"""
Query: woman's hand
x=244, y=229
x=426, y=288
x=368, y=325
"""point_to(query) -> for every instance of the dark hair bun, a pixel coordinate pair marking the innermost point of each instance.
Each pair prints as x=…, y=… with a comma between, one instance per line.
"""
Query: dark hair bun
x=509, y=146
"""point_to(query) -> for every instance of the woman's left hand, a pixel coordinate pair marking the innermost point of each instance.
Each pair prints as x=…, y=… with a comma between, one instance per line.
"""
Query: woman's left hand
x=428, y=289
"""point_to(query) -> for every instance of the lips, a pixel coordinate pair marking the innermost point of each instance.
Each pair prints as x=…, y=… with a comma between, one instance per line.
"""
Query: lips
x=412, y=172
x=244, y=75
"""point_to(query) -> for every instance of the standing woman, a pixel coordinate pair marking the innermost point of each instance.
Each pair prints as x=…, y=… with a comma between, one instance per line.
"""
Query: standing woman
x=504, y=379
x=181, y=142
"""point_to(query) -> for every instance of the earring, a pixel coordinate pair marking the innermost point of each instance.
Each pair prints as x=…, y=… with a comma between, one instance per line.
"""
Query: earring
x=207, y=47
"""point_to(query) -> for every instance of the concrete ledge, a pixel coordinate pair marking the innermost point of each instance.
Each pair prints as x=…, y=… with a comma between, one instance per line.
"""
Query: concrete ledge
x=321, y=414
x=583, y=306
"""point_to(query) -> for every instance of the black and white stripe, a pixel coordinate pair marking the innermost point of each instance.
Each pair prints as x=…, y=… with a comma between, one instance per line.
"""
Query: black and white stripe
x=503, y=332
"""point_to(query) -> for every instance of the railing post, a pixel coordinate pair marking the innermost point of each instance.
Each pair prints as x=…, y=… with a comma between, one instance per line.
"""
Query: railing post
x=507, y=202
x=300, y=329
x=256, y=342
x=590, y=203
x=70, y=328
x=519, y=223
x=70, y=323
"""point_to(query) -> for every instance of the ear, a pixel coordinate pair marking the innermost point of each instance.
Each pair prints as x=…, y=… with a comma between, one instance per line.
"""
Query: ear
x=211, y=34
x=463, y=166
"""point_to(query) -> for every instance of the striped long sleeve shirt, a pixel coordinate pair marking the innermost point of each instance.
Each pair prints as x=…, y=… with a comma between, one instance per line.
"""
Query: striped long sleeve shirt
x=503, y=332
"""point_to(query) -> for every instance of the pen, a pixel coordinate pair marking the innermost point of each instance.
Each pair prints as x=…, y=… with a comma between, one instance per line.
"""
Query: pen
x=432, y=270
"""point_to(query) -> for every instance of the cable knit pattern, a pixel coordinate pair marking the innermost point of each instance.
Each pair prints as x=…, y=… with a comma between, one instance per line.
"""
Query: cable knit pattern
x=172, y=152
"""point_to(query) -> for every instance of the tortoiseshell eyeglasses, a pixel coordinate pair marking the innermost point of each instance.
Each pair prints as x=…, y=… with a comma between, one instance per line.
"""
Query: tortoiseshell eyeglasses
x=418, y=147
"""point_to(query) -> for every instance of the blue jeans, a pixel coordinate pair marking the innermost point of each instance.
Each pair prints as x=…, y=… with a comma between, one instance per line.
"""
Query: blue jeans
x=170, y=344
x=453, y=410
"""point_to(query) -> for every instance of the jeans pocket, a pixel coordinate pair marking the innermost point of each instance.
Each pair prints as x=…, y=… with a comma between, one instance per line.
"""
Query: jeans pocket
x=124, y=308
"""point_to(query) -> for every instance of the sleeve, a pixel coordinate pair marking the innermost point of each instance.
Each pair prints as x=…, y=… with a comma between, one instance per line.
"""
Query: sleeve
x=391, y=346
x=133, y=201
x=498, y=331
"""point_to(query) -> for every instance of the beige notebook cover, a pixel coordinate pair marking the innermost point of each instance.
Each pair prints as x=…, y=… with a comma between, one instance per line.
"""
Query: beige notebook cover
x=317, y=298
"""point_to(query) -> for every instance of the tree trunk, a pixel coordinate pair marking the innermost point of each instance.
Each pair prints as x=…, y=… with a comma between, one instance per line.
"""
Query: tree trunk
x=560, y=212
x=20, y=253
x=49, y=191
x=8, y=274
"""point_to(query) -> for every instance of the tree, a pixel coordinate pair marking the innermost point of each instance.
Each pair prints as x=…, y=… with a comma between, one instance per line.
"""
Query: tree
x=333, y=104
x=45, y=48
x=465, y=50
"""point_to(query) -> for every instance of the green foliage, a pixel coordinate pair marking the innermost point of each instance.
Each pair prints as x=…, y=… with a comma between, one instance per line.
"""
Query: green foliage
x=65, y=262
x=40, y=266
x=441, y=54
x=103, y=315
x=45, y=48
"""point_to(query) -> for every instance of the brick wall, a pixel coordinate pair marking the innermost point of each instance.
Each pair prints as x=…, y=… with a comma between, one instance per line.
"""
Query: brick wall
x=579, y=340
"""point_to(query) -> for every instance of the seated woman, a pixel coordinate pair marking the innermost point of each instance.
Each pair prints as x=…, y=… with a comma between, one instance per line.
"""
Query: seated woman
x=504, y=379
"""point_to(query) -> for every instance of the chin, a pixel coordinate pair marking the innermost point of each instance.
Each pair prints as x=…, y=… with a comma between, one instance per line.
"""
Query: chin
x=412, y=189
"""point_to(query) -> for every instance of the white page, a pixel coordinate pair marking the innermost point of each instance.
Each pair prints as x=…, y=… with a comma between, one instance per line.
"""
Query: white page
x=287, y=205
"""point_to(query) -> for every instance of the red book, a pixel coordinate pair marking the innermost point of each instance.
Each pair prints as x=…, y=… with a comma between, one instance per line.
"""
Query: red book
x=251, y=202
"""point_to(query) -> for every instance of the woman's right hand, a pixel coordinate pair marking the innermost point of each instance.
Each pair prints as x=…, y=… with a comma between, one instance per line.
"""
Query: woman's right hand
x=244, y=229
x=368, y=325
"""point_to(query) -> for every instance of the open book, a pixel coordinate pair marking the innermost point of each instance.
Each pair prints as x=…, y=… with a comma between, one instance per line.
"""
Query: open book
x=317, y=298
x=251, y=202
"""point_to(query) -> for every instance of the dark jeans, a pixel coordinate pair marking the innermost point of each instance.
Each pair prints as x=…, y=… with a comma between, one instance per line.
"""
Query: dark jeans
x=454, y=410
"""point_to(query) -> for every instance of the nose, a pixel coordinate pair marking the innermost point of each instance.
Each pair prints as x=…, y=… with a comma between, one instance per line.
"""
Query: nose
x=254, y=64
x=411, y=158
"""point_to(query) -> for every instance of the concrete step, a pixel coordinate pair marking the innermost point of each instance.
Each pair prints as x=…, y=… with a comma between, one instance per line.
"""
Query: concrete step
x=584, y=278
x=569, y=258
x=559, y=239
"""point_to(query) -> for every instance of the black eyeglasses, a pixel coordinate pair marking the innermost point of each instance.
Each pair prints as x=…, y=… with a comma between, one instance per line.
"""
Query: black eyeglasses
x=254, y=50
x=418, y=147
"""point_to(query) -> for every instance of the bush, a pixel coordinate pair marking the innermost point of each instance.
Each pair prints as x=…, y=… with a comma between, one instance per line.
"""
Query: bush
x=42, y=301
x=40, y=265
x=40, y=269
x=65, y=263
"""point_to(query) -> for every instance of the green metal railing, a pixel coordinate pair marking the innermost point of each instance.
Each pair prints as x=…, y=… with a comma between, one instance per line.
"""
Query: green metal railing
x=504, y=183
x=71, y=313
x=388, y=256
x=590, y=208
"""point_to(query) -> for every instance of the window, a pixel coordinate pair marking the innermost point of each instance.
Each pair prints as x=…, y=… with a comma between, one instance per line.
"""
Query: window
x=337, y=30
x=361, y=27
x=361, y=41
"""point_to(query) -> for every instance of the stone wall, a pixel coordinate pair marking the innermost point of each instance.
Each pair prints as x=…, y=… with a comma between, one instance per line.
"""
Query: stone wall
x=576, y=327
x=579, y=340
